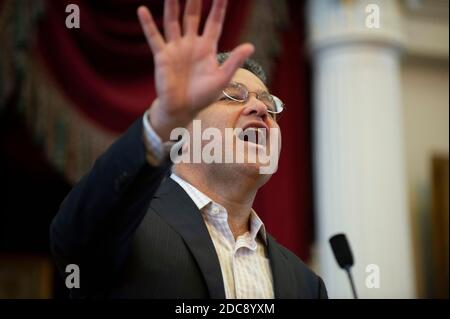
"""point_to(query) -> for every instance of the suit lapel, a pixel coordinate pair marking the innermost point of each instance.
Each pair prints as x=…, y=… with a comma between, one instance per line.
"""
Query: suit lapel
x=173, y=204
x=283, y=276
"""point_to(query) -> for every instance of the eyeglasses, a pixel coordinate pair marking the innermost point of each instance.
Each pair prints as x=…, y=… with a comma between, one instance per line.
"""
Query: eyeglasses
x=239, y=92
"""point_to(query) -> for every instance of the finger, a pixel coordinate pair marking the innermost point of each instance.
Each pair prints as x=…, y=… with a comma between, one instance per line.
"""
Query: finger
x=214, y=23
x=192, y=15
x=235, y=61
x=171, y=23
x=151, y=32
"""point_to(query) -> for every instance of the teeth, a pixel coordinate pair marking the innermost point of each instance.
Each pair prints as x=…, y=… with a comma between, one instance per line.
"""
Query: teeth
x=251, y=134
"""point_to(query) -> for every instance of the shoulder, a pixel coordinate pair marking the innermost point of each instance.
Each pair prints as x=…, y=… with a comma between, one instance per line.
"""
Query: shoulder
x=305, y=277
x=293, y=260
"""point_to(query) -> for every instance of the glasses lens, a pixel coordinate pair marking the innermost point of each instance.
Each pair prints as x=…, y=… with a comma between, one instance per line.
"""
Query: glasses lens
x=269, y=101
x=236, y=91
x=279, y=106
x=274, y=104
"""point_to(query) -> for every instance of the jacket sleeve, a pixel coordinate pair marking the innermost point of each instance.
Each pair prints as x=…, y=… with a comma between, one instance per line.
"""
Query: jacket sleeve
x=96, y=220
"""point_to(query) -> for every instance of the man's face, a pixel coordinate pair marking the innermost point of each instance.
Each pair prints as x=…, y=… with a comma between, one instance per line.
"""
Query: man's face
x=227, y=115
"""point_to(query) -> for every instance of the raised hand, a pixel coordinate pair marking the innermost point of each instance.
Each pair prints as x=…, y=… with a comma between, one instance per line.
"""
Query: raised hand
x=187, y=75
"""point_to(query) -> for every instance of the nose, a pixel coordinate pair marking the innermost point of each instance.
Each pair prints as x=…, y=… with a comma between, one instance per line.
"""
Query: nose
x=255, y=107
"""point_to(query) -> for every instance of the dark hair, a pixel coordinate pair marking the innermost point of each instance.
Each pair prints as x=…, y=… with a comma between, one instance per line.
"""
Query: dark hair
x=249, y=65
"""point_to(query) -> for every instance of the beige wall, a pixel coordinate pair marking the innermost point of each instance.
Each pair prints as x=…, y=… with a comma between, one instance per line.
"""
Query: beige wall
x=422, y=39
x=426, y=124
x=426, y=121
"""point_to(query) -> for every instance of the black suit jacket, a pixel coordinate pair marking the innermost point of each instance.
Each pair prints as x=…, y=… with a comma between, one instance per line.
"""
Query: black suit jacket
x=135, y=233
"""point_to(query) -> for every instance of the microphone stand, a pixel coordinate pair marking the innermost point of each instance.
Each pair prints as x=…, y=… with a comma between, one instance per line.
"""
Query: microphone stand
x=350, y=278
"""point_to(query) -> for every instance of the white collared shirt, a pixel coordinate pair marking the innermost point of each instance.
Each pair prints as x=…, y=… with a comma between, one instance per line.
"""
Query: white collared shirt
x=245, y=267
x=244, y=264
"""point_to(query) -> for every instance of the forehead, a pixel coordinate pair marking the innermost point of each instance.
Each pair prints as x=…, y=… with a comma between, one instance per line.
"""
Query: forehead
x=251, y=81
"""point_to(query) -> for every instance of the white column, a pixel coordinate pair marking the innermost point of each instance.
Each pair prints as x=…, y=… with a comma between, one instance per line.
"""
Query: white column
x=359, y=148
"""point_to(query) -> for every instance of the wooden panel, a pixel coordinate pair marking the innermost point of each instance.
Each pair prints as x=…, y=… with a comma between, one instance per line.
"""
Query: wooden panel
x=440, y=219
x=25, y=276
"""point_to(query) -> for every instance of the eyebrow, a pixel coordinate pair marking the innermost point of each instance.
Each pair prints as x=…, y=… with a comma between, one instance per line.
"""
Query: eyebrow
x=263, y=91
x=257, y=91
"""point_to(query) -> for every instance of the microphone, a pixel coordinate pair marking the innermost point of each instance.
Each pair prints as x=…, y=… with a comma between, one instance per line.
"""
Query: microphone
x=344, y=257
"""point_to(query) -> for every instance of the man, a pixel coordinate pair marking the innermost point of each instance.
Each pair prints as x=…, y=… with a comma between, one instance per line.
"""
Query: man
x=136, y=232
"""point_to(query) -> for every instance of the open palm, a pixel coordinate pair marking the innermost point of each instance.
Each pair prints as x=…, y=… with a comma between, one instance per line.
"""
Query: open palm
x=187, y=75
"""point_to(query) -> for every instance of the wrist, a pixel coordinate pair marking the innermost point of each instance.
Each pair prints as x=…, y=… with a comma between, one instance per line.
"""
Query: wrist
x=162, y=122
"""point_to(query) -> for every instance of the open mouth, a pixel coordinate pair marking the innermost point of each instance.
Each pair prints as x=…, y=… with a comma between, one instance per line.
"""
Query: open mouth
x=253, y=135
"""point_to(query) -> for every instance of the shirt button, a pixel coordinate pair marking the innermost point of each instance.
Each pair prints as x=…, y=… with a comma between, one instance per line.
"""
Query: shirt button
x=215, y=210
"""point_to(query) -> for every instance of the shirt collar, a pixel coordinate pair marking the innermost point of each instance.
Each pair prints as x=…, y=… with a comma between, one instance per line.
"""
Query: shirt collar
x=201, y=201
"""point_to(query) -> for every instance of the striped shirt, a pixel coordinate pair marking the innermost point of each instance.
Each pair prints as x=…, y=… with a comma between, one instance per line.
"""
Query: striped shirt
x=243, y=261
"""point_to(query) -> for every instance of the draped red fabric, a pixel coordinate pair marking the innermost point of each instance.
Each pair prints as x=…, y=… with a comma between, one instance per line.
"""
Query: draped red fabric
x=285, y=202
x=105, y=69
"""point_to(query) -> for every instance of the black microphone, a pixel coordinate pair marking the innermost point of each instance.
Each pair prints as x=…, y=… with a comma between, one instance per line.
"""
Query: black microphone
x=344, y=257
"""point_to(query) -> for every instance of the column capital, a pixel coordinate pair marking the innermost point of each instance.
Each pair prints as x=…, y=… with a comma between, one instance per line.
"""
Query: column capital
x=347, y=22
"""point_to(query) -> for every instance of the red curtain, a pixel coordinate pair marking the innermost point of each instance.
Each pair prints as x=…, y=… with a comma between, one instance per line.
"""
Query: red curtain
x=105, y=67
x=285, y=202
x=105, y=71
